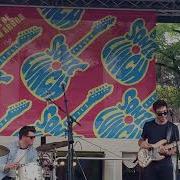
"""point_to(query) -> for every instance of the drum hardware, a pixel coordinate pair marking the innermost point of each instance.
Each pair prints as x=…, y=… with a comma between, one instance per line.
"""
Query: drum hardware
x=3, y=150
x=48, y=159
x=30, y=171
x=45, y=160
x=52, y=146
x=69, y=143
x=54, y=164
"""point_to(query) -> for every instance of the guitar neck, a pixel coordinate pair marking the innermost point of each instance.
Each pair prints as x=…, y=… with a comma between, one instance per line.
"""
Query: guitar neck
x=94, y=96
x=23, y=38
x=98, y=28
x=82, y=110
x=8, y=53
x=174, y=144
x=13, y=112
x=83, y=43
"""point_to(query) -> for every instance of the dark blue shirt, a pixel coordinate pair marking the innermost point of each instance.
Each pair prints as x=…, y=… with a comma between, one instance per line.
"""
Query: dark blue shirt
x=155, y=132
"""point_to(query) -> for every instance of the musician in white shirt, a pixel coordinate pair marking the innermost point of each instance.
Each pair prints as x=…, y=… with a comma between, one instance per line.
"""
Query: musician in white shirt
x=21, y=152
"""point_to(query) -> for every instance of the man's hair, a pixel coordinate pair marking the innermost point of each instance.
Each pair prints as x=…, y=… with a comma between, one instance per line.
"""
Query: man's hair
x=25, y=130
x=158, y=104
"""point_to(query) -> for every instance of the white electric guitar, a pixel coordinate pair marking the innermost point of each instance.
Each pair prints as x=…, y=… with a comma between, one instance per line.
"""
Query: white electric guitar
x=145, y=156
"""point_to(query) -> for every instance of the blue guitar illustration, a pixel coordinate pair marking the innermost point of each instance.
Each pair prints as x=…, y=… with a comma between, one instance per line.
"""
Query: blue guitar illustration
x=126, y=58
x=45, y=72
x=61, y=18
x=5, y=78
x=14, y=111
x=23, y=38
x=125, y=119
x=51, y=123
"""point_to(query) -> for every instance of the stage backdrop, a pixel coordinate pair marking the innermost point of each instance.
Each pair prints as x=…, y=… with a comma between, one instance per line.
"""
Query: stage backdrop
x=102, y=62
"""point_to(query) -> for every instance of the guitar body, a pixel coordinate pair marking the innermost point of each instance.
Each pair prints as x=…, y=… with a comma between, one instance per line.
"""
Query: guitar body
x=45, y=72
x=145, y=156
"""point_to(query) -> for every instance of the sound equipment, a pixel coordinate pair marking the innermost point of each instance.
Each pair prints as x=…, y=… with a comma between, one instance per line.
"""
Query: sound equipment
x=93, y=168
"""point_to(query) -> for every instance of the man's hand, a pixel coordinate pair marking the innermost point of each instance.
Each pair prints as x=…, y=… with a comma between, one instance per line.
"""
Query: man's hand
x=163, y=150
x=11, y=166
x=145, y=144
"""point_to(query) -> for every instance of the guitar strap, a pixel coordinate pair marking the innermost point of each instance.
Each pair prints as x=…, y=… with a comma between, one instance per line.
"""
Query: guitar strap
x=168, y=133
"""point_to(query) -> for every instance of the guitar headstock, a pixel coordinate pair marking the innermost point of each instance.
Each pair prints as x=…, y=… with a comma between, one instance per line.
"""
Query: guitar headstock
x=28, y=34
x=18, y=108
x=103, y=24
x=100, y=92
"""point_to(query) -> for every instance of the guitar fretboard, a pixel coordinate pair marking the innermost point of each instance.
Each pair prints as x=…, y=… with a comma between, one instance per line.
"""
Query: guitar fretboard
x=174, y=144
x=6, y=56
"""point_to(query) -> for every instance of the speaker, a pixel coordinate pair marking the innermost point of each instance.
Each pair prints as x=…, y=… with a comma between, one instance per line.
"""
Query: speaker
x=93, y=168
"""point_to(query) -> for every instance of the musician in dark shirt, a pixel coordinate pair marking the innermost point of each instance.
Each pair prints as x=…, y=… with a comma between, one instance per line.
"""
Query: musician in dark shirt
x=154, y=131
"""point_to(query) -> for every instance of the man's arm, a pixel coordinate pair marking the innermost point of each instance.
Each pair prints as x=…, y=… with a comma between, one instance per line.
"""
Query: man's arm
x=5, y=166
x=143, y=141
x=3, y=161
x=173, y=150
x=144, y=144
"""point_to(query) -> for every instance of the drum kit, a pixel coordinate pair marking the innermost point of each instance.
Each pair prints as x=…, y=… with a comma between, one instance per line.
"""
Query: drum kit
x=44, y=168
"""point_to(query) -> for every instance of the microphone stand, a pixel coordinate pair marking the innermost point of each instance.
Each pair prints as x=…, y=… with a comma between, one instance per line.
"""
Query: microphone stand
x=177, y=150
x=71, y=152
x=70, y=120
x=62, y=110
x=70, y=172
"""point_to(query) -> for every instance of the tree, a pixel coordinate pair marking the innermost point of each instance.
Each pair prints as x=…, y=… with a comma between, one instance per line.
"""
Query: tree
x=168, y=63
x=168, y=54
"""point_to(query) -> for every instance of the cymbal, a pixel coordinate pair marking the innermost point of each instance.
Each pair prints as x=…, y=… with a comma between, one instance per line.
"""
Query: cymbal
x=3, y=150
x=52, y=146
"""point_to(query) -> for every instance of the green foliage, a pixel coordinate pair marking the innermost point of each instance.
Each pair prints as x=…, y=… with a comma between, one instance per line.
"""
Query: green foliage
x=168, y=40
x=167, y=34
x=168, y=63
x=170, y=94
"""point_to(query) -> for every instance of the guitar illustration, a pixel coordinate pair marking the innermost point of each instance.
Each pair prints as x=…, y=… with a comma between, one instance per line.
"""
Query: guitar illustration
x=124, y=119
x=5, y=78
x=52, y=124
x=126, y=58
x=14, y=111
x=61, y=18
x=94, y=96
x=145, y=156
x=23, y=38
x=47, y=71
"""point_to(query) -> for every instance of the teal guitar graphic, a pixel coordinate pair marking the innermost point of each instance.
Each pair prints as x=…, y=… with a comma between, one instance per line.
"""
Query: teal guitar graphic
x=44, y=73
x=51, y=123
x=5, y=78
x=14, y=111
x=61, y=18
x=126, y=119
x=126, y=58
x=23, y=38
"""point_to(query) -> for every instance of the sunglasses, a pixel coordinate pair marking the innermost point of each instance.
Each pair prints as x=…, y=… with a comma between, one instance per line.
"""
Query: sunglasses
x=162, y=113
x=31, y=137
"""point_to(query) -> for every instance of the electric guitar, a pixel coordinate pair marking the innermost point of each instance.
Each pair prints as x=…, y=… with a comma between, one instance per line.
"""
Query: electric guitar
x=145, y=156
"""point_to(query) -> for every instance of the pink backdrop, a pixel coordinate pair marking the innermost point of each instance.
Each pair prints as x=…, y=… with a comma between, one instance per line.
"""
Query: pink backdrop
x=104, y=59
